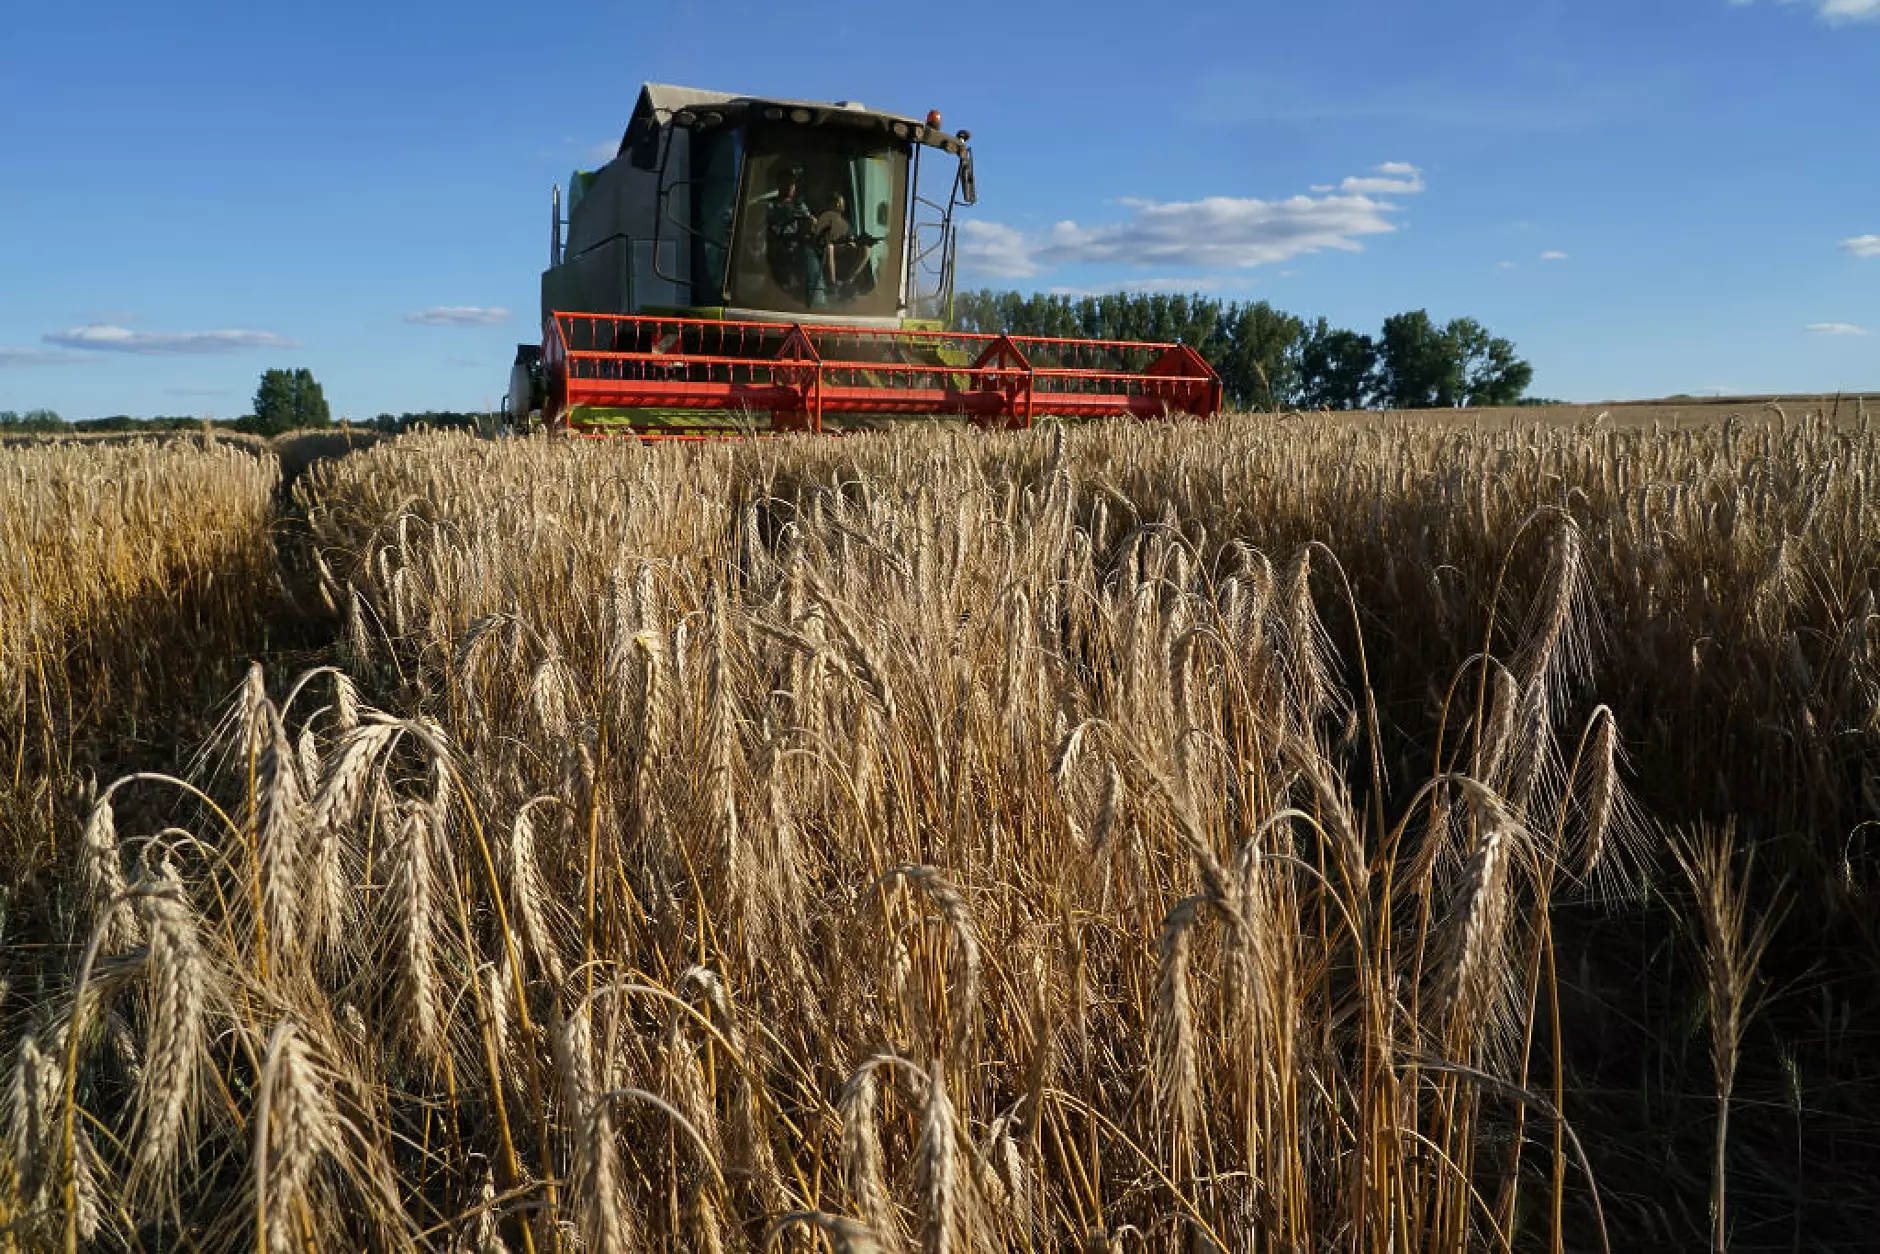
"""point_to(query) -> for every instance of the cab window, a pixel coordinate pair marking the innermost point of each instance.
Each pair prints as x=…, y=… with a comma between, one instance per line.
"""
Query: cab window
x=821, y=223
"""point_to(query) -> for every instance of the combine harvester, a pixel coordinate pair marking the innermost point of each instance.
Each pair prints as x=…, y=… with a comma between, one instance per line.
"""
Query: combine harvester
x=748, y=265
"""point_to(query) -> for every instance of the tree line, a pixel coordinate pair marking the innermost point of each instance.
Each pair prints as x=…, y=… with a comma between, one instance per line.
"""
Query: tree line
x=285, y=400
x=1270, y=359
x=50, y=422
x=33, y=420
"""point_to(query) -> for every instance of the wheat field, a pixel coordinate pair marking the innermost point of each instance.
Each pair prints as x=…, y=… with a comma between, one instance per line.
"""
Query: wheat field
x=1275, y=834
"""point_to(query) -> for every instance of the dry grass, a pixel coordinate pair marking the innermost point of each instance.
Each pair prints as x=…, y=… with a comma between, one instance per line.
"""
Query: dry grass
x=1143, y=838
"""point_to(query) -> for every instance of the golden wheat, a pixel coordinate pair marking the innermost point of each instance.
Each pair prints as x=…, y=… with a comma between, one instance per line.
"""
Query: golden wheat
x=1136, y=835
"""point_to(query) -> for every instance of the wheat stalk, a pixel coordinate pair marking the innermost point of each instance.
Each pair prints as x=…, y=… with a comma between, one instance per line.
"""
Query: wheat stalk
x=1178, y=1069
x=864, y=1174
x=1478, y=974
x=296, y=1124
x=180, y=980
x=411, y=927
x=1731, y=939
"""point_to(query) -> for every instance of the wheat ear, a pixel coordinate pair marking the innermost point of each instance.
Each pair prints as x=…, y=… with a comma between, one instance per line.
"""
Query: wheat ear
x=179, y=980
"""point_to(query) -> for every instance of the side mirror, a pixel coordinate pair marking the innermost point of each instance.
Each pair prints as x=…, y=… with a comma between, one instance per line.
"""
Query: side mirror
x=969, y=192
x=881, y=214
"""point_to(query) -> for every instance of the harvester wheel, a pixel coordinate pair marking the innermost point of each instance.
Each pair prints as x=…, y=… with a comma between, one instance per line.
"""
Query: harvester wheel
x=528, y=390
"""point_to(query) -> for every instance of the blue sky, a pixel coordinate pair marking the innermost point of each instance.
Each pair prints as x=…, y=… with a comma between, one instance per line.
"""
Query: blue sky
x=1648, y=197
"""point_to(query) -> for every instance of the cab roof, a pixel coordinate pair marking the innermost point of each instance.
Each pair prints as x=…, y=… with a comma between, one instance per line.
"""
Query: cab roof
x=664, y=104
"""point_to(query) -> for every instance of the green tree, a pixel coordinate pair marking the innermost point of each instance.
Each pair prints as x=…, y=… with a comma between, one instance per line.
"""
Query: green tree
x=1258, y=357
x=1337, y=368
x=289, y=400
x=1491, y=373
x=31, y=420
x=1418, y=367
x=1269, y=359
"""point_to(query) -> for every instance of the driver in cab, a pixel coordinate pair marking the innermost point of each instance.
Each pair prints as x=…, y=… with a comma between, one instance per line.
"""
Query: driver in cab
x=790, y=234
x=843, y=252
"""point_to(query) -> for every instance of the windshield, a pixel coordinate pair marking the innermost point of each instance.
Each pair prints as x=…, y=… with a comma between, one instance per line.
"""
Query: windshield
x=821, y=223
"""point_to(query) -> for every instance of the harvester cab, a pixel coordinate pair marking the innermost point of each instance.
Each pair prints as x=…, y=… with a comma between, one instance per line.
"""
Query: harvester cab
x=758, y=265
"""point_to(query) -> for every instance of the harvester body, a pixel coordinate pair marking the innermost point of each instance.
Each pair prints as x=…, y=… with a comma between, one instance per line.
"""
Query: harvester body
x=746, y=264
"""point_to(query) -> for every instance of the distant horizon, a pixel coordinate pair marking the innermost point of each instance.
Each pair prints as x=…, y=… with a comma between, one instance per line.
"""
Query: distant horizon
x=1753, y=398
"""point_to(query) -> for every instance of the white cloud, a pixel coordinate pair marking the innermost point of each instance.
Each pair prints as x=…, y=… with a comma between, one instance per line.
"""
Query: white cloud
x=1553, y=254
x=1838, y=11
x=1834, y=328
x=1504, y=265
x=105, y=338
x=459, y=316
x=996, y=251
x=1834, y=12
x=1862, y=245
x=37, y=357
x=1220, y=231
x=1393, y=178
x=1216, y=233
